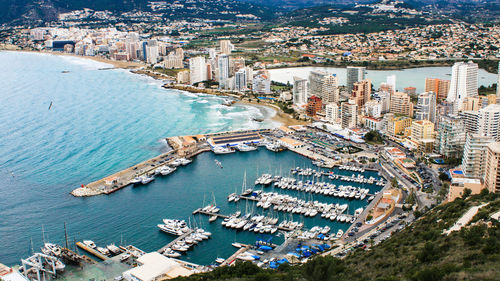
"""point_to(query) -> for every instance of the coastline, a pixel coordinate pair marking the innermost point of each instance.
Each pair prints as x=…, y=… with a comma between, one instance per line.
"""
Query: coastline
x=280, y=116
x=116, y=64
x=134, y=67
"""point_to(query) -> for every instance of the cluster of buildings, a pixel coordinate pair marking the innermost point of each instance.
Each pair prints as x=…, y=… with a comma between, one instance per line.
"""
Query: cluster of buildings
x=450, y=120
x=447, y=41
x=230, y=72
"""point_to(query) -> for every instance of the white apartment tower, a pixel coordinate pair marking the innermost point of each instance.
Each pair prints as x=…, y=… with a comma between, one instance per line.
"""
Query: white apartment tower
x=332, y=112
x=426, y=107
x=474, y=159
x=300, y=89
x=223, y=67
x=197, y=70
x=489, y=121
x=463, y=83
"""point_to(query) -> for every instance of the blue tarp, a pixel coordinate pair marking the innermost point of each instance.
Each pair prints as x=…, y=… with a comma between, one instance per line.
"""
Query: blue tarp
x=265, y=248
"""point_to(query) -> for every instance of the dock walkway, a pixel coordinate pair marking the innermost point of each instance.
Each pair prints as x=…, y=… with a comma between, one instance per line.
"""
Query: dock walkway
x=175, y=241
x=92, y=251
x=236, y=254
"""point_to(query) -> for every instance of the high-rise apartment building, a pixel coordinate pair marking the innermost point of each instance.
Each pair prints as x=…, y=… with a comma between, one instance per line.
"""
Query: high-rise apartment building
x=463, y=83
x=474, y=159
x=226, y=47
x=426, y=107
x=401, y=104
x=354, y=74
x=439, y=86
x=197, y=70
x=489, y=121
x=314, y=105
x=332, y=112
x=450, y=139
x=492, y=171
x=240, y=80
x=349, y=114
x=300, y=90
x=223, y=70
x=361, y=93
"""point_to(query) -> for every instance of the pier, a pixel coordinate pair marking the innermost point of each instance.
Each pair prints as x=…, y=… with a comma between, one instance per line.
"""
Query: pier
x=92, y=251
x=240, y=251
x=161, y=250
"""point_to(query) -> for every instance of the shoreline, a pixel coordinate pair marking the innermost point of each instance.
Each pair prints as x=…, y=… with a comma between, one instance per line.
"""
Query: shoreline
x=134, y=67
x=128, y=65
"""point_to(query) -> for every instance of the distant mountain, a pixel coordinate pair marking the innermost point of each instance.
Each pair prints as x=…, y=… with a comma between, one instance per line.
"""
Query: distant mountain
x=33, y=11
x=37, y=11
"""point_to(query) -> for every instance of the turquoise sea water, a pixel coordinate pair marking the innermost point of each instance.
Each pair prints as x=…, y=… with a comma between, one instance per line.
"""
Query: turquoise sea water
x=102, y=121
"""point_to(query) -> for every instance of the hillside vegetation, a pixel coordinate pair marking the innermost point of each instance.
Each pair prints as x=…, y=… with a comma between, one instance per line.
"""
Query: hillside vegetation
x=419, y=252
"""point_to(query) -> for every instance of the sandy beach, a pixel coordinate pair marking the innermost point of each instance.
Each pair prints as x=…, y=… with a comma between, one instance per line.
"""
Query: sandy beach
x=280, y=116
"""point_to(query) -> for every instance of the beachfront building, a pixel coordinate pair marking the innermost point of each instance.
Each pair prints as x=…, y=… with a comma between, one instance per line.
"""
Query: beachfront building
x=240, y=80
x=300, y=89
x=438, y=86
x=450, y=139
x=332, y=112
x=197, y=70
x=349, y=114
x=401, y=104
x=463, y=83
x=426, y=107
x=492, y=173
x=324, y=86
x=314, y=105
x=262, y=83
x=474, y=159
x=354, y=74
x=223, y=71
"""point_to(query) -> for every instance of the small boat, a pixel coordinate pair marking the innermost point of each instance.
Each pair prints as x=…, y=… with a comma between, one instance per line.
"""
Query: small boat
x=340, y=233
x=51, y=249
x=147, y=179
x=136, y=180
x=237, y=245
x=124, y=257
x=103, y=251
x=219, y=260
x=212, y=218
x=222, y=150
x=171, y=253
x=89, y=243
x=113, y=249
x=218, y=163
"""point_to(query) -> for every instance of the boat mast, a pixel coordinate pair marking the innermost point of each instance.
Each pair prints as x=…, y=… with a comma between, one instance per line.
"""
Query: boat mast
x=66, y=235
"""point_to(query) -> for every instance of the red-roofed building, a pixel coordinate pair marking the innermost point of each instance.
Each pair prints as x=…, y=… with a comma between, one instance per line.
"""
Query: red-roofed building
x=314, y=105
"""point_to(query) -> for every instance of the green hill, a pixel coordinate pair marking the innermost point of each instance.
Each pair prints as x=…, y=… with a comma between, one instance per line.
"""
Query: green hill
x=419, y=252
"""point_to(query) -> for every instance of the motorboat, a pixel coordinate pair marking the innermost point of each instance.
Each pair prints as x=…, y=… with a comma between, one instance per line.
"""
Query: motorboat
x=113, y=249
x=124, y=257
x=222, y=150
x=136, y=180
x=103, y=251
x=171, y=253
x=170, y=230
x=51, y=249
x=339, y=233
x=237, y=245
x=244, y=147
x=212, y=218
x=219, y=260
x=89, y=243
x=147, y=179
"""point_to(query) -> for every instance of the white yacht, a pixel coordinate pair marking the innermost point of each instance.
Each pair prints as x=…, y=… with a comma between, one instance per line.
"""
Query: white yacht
x=222, y=150
x=89, y=243
x=147, y=179
x=103, y=251
x=171, y=253
x=113, y=249
x=51, y=249
x=245, y=147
